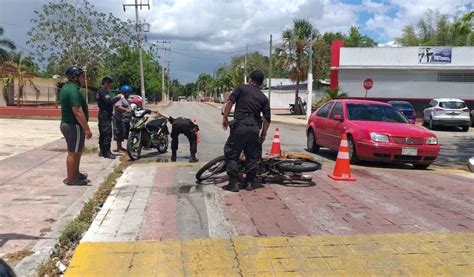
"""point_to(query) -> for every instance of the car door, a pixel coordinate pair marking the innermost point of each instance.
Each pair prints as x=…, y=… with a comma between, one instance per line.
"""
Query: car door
x=321, y=135
x=334, y=127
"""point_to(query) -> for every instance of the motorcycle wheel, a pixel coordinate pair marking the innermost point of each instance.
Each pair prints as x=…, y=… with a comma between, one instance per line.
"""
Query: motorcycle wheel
x=134, y=146
x=298, y=166
x=211, y=168
x=162, y=144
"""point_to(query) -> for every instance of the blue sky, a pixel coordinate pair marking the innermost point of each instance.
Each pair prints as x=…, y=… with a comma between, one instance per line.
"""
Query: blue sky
x=206, y=33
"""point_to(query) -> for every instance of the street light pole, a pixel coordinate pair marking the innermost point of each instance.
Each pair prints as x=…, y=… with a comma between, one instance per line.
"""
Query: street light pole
x=270, y=75
x=245, y=64
x=310, y=80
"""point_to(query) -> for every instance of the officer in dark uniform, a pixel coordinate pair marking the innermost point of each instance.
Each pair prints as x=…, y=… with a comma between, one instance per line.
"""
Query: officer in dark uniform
x=187, y=127
x=106, y=106
x=246, y=131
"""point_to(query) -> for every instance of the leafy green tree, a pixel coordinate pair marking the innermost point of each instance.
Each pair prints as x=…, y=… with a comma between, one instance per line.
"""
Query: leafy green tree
x=465, y=27
x=68, y=33
x=5, y=46
x=26, y=63
x=330, y=94
x=356, y=39
x=204, y=83
x=293, y=52
x=436, y=29
x=123, y=67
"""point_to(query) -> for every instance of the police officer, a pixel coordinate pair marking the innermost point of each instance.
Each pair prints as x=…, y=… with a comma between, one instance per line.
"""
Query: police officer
x=187, y=127
x=246, y=131
x=106, y=106
x=122, y=117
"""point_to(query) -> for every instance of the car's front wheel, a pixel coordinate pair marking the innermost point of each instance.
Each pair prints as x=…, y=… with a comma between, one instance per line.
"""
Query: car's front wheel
x=352, y=151
x=311, y=142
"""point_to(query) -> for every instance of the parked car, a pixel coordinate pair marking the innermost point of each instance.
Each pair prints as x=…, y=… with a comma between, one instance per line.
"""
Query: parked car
x=405, y=108
x=447, y=112
x=231, y=110
x=472, y=118
x=136, y=99
x=376, y=132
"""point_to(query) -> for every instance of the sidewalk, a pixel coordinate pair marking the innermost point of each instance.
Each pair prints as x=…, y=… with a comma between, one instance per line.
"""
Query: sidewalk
x=36, y=204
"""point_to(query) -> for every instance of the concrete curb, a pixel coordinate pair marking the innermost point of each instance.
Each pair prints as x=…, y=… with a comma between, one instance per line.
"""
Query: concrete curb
x=43, y=249
x=273, y=120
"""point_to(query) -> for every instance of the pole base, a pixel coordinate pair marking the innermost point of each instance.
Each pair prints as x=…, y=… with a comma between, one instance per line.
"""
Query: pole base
x=338, y=178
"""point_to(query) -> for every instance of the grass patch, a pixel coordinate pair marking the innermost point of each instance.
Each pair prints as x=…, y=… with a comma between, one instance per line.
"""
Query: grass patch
x=75, y=229
x=17, y=256
x=90, y=150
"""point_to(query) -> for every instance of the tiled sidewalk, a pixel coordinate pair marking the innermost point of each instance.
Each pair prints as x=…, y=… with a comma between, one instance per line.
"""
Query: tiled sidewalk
x=420, y=254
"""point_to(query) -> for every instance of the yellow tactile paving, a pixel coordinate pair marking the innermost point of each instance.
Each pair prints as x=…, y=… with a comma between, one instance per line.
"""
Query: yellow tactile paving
x=422, y=254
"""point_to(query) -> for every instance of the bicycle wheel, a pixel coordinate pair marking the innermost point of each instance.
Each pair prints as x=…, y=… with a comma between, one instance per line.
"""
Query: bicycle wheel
x=298, y=165
x=211, y=168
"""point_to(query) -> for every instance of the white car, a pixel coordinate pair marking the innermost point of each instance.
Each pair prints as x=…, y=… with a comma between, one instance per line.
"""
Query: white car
x=447, y=112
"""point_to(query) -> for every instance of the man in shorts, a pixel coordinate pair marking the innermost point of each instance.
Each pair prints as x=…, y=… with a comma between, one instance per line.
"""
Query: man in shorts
x=74, y=126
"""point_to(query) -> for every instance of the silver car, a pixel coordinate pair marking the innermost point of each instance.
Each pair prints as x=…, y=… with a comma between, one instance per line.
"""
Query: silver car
x=447, y=112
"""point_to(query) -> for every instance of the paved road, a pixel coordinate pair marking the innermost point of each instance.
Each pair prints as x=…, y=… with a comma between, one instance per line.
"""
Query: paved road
x=202, y=229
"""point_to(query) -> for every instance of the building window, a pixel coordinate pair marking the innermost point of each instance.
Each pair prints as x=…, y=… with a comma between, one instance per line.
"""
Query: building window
x=456, y=77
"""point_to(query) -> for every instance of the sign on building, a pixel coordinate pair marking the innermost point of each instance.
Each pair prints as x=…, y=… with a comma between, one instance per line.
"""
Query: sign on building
x=433, y=55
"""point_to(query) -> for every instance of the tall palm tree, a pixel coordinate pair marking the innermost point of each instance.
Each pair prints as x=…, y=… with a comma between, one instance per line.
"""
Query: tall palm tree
x=5, y=46
x=293, y=52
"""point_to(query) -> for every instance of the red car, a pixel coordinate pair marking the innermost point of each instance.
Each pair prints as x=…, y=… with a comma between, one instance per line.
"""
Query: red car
x=376, y=131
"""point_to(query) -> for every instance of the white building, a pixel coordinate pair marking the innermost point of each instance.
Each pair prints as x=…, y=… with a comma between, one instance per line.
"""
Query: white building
x=415, y=74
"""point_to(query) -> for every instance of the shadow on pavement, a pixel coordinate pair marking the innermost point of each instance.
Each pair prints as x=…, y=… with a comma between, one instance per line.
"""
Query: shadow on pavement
x=4, y=238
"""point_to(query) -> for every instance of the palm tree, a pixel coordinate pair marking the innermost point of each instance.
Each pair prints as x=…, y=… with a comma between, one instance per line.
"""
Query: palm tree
x=293, y=52
x=5, y=45
x=26, y=63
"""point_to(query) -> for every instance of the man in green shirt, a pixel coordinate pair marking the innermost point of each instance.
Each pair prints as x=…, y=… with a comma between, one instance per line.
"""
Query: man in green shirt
x=74, y=126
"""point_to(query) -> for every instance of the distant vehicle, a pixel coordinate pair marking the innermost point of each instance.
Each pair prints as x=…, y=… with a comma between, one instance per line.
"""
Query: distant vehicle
x=376, y=132
x=472, y=118
x=136, y=99
x=447, y=112
x=405, y=108
x=182, y=99
x=231, y=113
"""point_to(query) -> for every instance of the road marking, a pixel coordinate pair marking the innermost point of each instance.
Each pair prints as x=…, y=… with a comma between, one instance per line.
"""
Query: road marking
x=418, y=254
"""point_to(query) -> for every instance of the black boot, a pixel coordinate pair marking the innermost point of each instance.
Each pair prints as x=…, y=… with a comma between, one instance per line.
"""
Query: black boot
x=109, y=155
x=193, y=159
x=173, y=156
x=249, y=182
x=233, y=184
x=101, y=153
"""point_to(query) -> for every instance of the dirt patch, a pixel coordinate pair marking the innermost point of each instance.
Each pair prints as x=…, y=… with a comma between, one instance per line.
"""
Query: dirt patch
x=15, y=257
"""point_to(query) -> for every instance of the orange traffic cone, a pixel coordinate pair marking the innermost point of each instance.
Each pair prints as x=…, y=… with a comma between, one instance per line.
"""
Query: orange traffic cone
x=198, y=137
x=276, y=148
x=342, y=170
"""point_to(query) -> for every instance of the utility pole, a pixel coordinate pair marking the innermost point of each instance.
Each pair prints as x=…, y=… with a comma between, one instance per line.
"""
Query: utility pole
x=245, y=64
x=169, y=79
x=163, y=95
x=270, y=75
x=310, y=80
x=138, y=28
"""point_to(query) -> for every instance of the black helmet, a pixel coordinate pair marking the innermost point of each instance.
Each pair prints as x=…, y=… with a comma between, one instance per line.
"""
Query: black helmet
x=73, y=71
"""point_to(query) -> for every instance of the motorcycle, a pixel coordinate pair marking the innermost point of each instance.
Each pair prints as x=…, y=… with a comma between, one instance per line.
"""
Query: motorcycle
x=288, y=166
x=146, y=134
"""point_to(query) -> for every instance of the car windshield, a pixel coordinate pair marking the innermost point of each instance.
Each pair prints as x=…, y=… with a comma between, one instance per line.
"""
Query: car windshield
x=452, y=105
x=403, y=106
x=371, y=112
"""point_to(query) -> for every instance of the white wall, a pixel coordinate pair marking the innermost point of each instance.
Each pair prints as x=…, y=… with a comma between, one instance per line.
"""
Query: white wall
x=283, y=99
x=403, y=84
x=401, y=56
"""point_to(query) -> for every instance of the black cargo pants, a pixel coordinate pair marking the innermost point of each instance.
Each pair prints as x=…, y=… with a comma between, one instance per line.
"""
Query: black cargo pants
x=244, y=136
x=187, y=128
x=105, y=133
